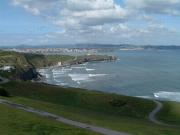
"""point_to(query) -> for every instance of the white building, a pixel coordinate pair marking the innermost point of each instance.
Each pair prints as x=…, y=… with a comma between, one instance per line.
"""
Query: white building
x=59, y=63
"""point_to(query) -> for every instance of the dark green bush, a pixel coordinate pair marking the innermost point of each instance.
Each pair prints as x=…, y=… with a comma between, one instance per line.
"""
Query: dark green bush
x=4, y=92
x=117, y=103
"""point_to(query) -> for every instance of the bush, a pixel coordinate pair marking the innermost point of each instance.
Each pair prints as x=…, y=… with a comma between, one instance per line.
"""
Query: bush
x=117, y=103
x=4, y=93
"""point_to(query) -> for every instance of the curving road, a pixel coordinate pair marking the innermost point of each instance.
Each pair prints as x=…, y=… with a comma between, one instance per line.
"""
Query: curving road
x=96, y=129
x=153, y=114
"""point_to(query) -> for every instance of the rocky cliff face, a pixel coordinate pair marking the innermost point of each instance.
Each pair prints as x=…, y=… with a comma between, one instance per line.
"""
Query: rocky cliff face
x=29, y=74
x=90, y=58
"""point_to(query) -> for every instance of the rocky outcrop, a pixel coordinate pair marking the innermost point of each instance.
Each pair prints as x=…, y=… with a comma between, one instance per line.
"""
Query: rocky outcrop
x=29, y=74
x=90, y=58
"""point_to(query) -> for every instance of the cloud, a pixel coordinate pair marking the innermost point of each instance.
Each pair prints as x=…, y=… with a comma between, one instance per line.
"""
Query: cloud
x=171, y=7
x=71, y=13
x=102, y=20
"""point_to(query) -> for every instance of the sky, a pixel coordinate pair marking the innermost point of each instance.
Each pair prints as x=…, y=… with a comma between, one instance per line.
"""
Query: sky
x=63, y=22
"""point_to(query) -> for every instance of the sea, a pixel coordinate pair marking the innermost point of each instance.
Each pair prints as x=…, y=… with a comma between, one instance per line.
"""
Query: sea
x=139, y=73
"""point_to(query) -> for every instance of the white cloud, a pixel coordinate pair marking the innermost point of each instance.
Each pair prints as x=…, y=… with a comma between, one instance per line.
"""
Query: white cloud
x=171, y=7
x=70, y=13
x=102, y=20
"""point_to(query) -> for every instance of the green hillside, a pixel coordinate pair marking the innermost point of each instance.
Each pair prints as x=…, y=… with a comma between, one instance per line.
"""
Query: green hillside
x=21, y=60
x=17, y=122
x=46, y=60
x=24, y=63
x=112, y=111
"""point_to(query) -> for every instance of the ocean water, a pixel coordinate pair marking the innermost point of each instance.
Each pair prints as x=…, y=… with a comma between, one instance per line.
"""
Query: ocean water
x=143, y=73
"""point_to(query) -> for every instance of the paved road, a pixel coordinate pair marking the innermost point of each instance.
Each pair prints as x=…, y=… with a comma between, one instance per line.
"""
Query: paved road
x=100, y=130
x=153, y=114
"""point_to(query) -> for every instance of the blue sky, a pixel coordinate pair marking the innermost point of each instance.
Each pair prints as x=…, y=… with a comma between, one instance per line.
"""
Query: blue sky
x=38, y=22
x=15, y=20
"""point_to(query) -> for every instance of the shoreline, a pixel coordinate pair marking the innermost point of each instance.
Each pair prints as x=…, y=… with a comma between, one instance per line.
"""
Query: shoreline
x=77, y=62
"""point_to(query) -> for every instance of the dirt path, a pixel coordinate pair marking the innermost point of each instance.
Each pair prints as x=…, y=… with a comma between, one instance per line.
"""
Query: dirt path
x=153, y=115
x=96, y=129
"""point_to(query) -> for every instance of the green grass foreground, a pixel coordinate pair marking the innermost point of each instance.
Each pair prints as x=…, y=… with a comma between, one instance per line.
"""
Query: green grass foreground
x=112, y=111
x=17, y=122
x=170, y=113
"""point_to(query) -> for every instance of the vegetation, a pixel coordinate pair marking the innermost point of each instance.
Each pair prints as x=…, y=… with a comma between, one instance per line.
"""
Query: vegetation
x=89, y=58
x=4, y=93
x=23, y=61
x=170, y=113
x=112, y=111
x=17, y=122
x=25, y=64
x=46, y=60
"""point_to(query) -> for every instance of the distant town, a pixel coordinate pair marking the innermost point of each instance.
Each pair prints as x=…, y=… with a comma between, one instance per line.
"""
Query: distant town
x=84, y=49
x=54, y=50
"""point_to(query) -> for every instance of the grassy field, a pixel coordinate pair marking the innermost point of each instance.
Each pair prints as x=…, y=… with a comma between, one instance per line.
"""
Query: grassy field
x=17, y=122
x=21, y=60
x=47, y=60
x=107, y=110
x=170, y=113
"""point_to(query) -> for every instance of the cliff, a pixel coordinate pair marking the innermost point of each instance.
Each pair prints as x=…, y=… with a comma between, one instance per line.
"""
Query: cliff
x=89, y=58
x=25, y=65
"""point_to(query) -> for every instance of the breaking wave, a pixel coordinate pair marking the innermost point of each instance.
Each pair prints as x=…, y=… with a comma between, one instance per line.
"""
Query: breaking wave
x=78, y=67
x=83, y=77
x=79, y=77
x=89, y=69
x=172, y=96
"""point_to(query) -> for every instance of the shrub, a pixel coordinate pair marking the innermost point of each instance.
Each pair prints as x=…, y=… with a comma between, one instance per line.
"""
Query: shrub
x=4, y=93
x=117, y=103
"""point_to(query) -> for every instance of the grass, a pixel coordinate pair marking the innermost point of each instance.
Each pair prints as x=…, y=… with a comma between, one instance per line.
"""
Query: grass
x=23, y=62
x=47, y=60
x=17, y=122
x=80, y=98
x=107, y=110
x=170, y=113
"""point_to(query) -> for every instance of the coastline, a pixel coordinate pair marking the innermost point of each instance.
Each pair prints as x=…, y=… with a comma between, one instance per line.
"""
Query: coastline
x=81, y=61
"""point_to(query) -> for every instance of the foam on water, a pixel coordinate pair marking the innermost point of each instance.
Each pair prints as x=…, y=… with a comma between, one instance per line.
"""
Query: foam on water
x=83, y=77
x=146, y=97
x=96, y=75
x=57, y=80
x=79, y=77
x=172, y=96
x=64, y=84
x=84, y=64
x=47, y=76
x=42, y=70
x=89, y=69
x=56, y=70
x=66, y=69
x=57, y=73
x=79, y=67
x=61, y=83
